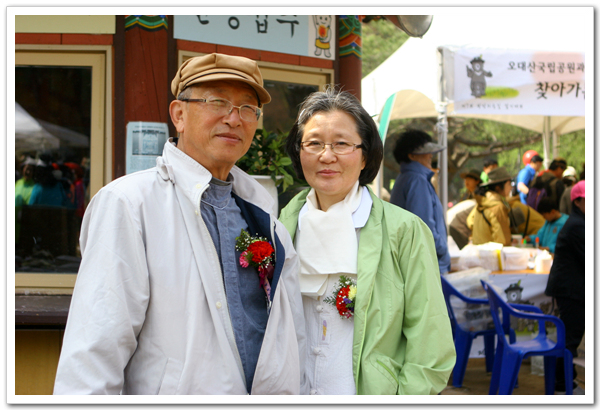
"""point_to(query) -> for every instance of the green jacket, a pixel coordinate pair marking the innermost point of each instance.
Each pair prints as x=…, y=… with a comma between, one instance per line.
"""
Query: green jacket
x=402, y=335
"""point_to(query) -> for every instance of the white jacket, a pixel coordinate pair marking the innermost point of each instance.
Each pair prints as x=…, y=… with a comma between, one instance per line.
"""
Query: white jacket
x=149, y=313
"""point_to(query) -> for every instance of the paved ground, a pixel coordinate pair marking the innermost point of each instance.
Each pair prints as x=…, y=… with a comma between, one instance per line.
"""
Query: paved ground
x=477, y=381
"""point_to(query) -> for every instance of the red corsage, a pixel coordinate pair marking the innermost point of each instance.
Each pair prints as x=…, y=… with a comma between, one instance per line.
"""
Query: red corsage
x=258, y=253
x=344, y=296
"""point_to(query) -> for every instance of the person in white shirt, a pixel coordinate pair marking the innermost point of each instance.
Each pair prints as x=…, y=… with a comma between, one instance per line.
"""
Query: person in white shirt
x=163, y=303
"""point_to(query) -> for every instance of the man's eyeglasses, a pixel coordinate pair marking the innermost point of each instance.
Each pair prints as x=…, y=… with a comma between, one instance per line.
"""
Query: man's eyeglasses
x=340, y=148
x=223, y=107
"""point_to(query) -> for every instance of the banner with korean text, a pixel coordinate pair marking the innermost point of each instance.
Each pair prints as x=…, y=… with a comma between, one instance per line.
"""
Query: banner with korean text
x=311, y=36
x=515, y=82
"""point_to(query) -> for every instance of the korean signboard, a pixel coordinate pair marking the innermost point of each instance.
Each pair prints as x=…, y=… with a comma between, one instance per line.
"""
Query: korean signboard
x=512, y=82
x=311, y=36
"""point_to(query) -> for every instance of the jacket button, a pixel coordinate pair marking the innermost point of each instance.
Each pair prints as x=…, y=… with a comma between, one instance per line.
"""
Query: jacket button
x=196, y=212
x=319, y=308
x=316, y=350
x=198, y=186
x=313, y=391
x=219, y=305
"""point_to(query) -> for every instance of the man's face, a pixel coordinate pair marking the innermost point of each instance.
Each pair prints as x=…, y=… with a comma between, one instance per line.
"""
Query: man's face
x=536, y=165
x=215, y=141
x=558, y=172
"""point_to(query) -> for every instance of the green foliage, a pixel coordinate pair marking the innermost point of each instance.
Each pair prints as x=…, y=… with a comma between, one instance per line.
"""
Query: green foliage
x=572, y=148
x=495, y=92
x=380, y=39
x=267, y=156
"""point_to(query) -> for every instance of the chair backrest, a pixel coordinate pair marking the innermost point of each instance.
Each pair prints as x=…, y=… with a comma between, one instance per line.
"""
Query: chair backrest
x=449, y=290
x=497, y=305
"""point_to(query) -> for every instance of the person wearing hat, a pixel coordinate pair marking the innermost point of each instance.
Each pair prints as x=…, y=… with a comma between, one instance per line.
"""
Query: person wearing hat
x=566, y=282
x=165, y=300
x=414, y=192
x=526, y=175
x=490, y=220
x=569, y=179
x=472, y=181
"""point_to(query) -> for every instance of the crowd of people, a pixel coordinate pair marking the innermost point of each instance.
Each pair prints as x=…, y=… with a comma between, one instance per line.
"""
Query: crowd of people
x=44, y=182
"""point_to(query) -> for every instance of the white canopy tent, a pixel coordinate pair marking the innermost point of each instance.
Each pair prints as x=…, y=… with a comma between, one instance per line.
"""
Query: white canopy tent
x=29, y=134
x=407, y=84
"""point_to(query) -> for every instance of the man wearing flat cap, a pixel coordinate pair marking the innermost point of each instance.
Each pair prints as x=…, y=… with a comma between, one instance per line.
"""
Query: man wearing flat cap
x=413, y=190
x=166, y=302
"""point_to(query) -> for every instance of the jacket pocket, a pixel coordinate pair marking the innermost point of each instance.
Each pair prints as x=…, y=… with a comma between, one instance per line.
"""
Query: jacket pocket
x=386, y=379
x=170, y=378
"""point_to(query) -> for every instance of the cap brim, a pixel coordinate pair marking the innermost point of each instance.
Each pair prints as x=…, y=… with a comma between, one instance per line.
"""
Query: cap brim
x=263, y=95
x=429, y=148
x=496, y=181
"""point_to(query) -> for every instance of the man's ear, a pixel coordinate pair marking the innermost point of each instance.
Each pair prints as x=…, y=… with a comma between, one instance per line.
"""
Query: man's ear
x=177, y=112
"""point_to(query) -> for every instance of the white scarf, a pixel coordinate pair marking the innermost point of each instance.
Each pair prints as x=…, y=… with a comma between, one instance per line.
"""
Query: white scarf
x=327, y=242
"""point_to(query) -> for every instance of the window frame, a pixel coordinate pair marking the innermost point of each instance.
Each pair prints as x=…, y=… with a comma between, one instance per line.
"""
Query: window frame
x=100, y=59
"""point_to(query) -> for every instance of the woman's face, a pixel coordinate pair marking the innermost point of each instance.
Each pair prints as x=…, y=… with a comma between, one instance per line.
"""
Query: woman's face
x=507, y=188
x=331, y=175
x=471, y=184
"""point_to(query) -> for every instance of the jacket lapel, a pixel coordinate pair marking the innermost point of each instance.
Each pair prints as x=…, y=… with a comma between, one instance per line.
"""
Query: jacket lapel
x=259, y=223
x=369, y=254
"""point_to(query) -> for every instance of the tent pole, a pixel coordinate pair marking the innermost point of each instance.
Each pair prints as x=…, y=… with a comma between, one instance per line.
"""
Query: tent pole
x=442, y=133
x=546, y=141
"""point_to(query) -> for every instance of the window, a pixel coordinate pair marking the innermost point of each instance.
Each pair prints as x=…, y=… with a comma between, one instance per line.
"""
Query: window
x=60, y=106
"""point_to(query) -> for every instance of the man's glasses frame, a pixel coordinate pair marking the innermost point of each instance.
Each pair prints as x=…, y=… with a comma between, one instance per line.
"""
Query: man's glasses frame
x=221, y=106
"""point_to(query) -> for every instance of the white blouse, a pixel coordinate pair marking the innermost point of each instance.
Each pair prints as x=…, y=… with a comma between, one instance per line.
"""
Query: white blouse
x=329, y=336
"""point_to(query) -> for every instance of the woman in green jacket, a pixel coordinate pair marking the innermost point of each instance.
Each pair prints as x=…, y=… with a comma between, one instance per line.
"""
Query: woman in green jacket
x=375, y=313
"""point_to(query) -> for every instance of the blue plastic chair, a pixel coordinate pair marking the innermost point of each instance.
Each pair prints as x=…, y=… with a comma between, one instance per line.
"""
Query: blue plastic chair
x=510, y=355
x=463, y=339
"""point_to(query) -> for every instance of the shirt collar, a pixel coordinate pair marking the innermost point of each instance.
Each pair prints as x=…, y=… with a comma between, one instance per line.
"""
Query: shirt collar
x=187, y=173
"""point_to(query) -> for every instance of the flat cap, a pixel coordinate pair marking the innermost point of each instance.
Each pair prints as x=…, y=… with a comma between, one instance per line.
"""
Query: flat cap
x=214, y=67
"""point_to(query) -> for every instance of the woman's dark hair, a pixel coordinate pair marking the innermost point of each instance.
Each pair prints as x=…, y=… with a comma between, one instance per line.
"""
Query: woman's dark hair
x=408, y=142
x=332, y=100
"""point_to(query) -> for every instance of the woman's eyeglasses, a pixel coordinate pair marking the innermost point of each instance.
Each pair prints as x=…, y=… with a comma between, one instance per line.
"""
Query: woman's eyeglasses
x=340, y=148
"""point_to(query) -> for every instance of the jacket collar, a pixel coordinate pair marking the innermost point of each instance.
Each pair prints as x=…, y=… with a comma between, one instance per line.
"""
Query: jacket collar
x=181, y=169
x=414, y=166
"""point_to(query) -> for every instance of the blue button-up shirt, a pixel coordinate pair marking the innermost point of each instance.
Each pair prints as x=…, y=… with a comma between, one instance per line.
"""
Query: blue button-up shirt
x=245, y=297
x=413, y=191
